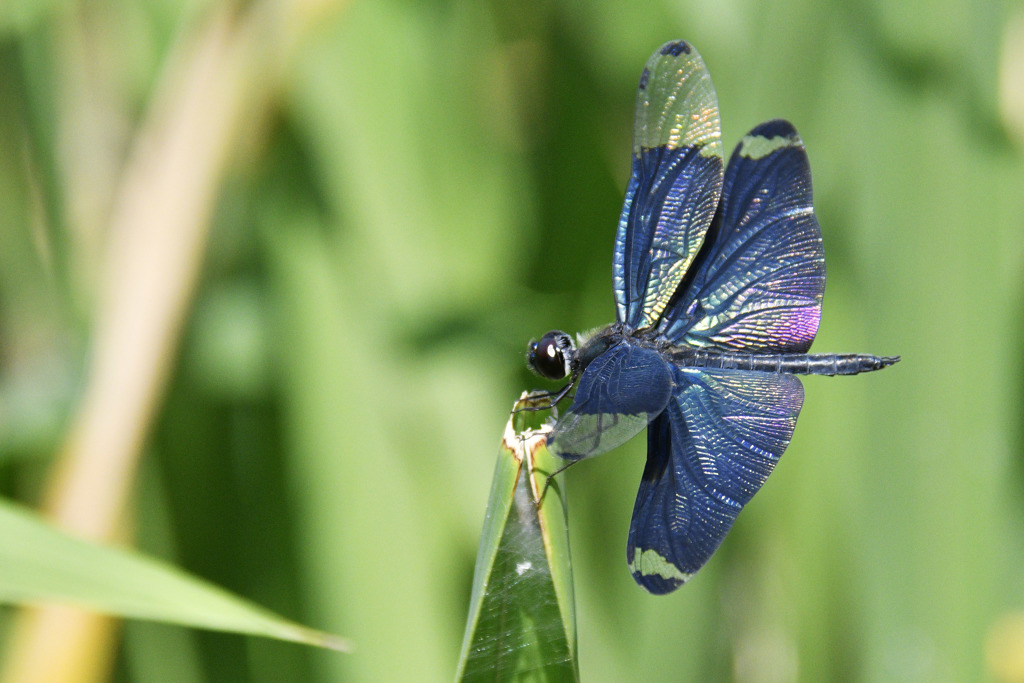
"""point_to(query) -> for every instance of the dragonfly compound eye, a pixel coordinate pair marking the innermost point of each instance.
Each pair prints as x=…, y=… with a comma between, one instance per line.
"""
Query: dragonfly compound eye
x=551, y=357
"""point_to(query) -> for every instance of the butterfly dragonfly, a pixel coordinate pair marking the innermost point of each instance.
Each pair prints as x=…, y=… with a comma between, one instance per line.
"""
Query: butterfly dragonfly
x=718, y=280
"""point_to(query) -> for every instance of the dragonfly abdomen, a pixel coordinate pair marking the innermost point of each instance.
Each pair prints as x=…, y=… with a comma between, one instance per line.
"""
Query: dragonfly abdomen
x=829, y=364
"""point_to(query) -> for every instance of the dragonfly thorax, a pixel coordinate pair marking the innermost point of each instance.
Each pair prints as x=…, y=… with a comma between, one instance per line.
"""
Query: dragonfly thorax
x=553, y=356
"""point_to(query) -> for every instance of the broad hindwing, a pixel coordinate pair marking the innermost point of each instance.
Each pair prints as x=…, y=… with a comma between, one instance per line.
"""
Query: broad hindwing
x=761, y=276
x=675, y=185
x=618, y=394
x=708, y=453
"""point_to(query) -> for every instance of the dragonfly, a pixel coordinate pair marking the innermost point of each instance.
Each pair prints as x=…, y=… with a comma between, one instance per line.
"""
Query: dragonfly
x=718, y=275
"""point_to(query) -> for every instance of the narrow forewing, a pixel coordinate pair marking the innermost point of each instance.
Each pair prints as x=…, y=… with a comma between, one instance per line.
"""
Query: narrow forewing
x=675, y=185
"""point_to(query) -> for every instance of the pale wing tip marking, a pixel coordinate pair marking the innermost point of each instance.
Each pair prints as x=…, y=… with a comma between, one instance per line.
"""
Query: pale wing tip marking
x=758, y=146
x=653, y=563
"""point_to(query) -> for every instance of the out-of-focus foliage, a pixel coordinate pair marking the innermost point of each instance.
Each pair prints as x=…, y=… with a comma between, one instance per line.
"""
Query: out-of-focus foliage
x=38, y=563
x=427, y=186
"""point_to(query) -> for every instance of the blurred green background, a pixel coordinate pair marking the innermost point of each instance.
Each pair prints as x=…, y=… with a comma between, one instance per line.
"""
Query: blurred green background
x=391, y=200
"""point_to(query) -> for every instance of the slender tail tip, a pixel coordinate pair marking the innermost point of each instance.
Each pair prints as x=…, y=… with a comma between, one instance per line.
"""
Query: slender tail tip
x=890, y=360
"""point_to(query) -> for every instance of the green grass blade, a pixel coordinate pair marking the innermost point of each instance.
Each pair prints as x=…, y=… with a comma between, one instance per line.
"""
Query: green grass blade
x=40, y=564
x=522, y=622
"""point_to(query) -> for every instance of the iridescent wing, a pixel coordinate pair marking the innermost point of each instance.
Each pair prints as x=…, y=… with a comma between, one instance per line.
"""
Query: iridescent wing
x=675, y=184
x=760, y=277
x=708, y=453
x=618, y=394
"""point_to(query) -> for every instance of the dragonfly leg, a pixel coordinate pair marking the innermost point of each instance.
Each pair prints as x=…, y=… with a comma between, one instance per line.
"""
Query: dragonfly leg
x=547, y=482
x=545, y=399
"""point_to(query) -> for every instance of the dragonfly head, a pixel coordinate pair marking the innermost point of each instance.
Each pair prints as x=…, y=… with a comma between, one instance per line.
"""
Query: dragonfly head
x=553, y=356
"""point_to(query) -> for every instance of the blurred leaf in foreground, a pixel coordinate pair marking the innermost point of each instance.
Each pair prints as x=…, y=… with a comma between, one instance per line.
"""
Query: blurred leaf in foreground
x=522, y=620
x=39, y=564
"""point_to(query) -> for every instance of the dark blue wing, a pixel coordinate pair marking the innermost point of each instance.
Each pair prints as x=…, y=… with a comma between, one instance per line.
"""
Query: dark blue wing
x=708, y=453
x=619, y=393
x=761, y=275
x=675, y=185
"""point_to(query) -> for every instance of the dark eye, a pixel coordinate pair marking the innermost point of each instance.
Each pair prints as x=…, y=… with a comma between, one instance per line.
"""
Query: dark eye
x=551, y=357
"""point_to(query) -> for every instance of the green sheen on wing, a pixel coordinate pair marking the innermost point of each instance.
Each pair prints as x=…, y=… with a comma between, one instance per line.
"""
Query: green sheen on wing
x=676, y=105
x=579, y=436
x=677, y=124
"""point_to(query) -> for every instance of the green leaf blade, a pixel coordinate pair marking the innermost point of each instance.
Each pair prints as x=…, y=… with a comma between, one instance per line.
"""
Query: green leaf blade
x=40, y=564
x=522, y=617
